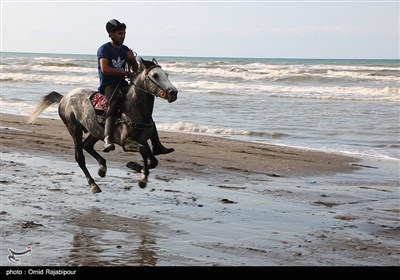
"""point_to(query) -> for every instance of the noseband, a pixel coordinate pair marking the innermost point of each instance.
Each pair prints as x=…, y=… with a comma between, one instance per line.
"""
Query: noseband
x=162, y=93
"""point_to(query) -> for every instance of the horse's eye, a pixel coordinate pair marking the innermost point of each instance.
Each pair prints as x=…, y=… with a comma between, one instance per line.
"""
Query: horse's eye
x=155, y=76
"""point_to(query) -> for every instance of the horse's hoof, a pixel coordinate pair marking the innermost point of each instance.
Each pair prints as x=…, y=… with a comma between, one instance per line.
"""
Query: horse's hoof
x=134, y=166
x=108, y=147
x=102, y=171
x=142, y=184
x=95, y=189
x=153, y=164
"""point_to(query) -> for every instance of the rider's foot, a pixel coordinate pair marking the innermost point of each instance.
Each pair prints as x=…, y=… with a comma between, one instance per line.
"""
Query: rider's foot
x=108, y=147
x=158, y=148
x=161, y=150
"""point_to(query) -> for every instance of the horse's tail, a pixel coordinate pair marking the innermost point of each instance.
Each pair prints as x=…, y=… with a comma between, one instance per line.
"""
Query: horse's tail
x=52, y=98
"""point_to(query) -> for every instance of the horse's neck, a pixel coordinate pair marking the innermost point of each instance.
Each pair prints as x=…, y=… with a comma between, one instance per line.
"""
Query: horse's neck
x=139, y=104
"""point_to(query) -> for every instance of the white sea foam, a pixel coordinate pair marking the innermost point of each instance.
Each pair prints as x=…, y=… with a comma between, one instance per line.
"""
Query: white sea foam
x=190, y=127
x=294, y=73
x=23, y=108
x=290, y=91
x=61, y=68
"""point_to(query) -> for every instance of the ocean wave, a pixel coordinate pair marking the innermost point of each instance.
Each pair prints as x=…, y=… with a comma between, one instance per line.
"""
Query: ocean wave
x=190, y=127
x=286, y=73
x=57, y=68
x=55, y=58
x=91, y=81
x=387, y=93
x=20, y=107
x=60, y=64
x=54, y=67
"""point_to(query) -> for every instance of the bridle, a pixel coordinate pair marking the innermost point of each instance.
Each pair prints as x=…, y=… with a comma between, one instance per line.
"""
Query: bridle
x=161, y=93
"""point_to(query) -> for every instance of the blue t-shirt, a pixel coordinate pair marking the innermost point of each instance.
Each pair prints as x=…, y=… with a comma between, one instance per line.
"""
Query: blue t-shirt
x=116, y=59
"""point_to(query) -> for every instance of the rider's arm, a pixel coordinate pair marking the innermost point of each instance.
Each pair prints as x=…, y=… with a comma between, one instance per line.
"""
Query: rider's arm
x=108, y=70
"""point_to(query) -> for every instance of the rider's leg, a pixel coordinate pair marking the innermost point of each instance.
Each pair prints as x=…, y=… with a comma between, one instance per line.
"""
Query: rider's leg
x=158, y=148
x=113, y=104
x=108, y=134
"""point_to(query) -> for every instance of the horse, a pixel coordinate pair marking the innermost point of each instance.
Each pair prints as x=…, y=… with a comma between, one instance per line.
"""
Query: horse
x=136, y=123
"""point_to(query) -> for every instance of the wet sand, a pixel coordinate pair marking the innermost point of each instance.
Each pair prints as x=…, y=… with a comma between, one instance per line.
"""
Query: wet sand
x=213, y=201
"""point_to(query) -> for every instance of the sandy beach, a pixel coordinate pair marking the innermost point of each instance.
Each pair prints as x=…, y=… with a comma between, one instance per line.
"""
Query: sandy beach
x=213, y=202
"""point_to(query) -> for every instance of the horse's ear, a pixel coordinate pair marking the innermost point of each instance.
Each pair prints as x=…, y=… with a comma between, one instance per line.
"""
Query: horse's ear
x=142, y=65
x=141, y=61
x=155, y=61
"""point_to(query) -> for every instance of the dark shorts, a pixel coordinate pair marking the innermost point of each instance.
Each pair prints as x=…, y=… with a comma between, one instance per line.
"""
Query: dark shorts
x=115, y=96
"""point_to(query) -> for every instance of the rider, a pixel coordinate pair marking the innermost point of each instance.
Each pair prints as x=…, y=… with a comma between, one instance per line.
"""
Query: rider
x=112, y=57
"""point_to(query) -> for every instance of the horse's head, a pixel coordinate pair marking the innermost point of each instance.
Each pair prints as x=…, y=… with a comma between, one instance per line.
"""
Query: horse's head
x=155, y=80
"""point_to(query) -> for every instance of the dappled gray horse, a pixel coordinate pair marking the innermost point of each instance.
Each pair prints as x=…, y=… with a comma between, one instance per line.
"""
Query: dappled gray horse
x=78, y=114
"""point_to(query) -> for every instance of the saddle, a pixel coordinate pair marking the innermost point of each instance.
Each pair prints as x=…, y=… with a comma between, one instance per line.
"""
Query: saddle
x=100, y=105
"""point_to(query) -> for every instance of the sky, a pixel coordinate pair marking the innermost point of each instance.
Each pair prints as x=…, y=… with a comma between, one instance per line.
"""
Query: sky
x=257, y=29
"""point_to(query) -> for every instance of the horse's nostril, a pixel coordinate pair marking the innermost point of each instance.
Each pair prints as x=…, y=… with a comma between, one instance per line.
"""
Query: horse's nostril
x=172, y=91
x=172, y=97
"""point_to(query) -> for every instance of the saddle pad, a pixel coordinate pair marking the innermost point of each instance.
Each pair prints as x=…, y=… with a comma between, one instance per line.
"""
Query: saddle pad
x=100, y=105
x=99, y=101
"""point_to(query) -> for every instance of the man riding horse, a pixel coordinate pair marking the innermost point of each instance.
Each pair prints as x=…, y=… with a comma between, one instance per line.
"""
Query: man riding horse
x=112, y=58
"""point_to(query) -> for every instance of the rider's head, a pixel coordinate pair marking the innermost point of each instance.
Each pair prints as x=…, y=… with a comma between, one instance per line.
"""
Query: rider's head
x=116, y=31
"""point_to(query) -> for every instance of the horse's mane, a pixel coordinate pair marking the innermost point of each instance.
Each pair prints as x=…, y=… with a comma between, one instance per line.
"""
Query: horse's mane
x=144, y=64
x=148, y=63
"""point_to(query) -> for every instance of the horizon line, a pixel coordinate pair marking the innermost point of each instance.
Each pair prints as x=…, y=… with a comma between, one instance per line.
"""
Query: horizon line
x=223, y=57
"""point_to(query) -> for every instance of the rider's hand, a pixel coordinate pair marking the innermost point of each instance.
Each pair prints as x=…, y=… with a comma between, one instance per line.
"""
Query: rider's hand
x=130, y=55
x=132, y=60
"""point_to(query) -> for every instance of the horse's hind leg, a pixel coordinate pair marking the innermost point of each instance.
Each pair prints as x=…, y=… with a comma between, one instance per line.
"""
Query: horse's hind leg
x=88, y=145
x=80, y=159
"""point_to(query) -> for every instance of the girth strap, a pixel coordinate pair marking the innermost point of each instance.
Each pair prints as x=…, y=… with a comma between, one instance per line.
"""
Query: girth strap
x=136, y=125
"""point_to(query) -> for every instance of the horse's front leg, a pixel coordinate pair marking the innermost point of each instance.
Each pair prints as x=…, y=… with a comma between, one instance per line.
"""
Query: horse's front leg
x=153, y=159
x=133, y=146
x=144, y=152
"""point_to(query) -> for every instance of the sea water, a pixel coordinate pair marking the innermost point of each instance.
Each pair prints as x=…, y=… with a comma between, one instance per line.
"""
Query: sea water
x=342, y=106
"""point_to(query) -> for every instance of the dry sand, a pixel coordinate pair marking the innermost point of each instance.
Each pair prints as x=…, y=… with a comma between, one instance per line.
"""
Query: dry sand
x=213, y=201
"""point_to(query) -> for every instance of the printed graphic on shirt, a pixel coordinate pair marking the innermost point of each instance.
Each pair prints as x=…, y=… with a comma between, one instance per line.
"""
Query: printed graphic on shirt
x=118, y=63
